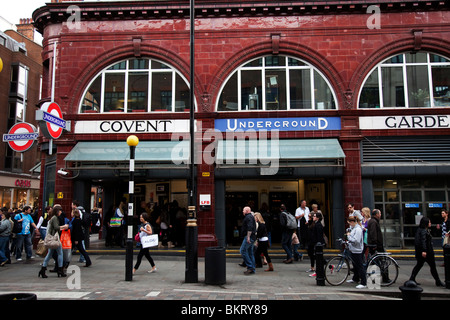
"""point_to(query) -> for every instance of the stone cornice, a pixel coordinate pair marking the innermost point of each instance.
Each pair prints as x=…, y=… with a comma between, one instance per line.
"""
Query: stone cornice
x=148, y=10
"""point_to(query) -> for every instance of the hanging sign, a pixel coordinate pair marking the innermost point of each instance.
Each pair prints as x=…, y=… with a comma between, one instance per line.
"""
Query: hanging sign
x=21, y=136
x=51, y=120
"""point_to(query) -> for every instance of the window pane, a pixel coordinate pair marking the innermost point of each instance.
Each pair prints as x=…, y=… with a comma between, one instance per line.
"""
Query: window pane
x=228, y=100
x=322, y=93
x=275, y=61
x=435, y=195
x=295, y=62
x=19, y=111
x=162, y=91
x=300, y=88
x=92, y=98
x=392, y=87
x=251, y=90
x=370, y=94
x=137, y=91
x=419, y=57
x=139, y=64
x=275, y=90
x=441, y=85
x=159, y=65
x=254, y=63
x=114, y=92
x=418, y=93
x=396, y=59
x=411, y=196
x=436, y=58
x=119, y=66
x=182, y=97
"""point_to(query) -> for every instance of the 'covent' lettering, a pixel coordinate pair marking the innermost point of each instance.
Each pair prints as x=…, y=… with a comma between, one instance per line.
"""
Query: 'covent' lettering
x=135, y=126
x=417, y=122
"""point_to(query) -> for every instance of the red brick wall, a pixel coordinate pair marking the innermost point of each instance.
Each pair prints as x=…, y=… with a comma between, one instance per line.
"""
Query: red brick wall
x=338, y=43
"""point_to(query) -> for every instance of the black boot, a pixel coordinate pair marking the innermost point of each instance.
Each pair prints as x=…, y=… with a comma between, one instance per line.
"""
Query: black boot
x=61, y=273
x=439, y=283
x=42, y=272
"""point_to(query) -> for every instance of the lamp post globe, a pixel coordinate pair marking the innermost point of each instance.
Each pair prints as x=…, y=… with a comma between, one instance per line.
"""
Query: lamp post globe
x=132, y=141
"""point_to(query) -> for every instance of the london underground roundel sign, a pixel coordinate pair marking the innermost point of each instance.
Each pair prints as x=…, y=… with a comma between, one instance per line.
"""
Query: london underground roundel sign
x=52, y=122
x=21, y=136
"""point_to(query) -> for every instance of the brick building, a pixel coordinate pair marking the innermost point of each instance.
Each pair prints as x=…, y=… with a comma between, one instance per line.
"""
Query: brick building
x=350, y=97
x=20, y=84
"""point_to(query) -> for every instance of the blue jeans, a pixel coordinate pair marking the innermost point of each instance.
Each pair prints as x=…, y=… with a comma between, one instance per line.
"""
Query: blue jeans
x=286, y=242
x=24, y=240
x=4, y=243
x=59, y=252
x=247, y=254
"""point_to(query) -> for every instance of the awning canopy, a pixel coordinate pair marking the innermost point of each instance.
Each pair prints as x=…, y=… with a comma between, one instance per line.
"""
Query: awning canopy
x=149, y=154
x=288, y=152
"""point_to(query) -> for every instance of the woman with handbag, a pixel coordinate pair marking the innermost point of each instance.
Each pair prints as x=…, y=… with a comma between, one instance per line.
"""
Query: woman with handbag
x=77, y=235
x=145, y=230
x=53, y=243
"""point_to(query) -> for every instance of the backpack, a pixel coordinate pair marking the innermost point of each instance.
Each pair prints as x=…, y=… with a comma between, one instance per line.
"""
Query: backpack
x=291, y=222
x=17, y=227
x=86, y=219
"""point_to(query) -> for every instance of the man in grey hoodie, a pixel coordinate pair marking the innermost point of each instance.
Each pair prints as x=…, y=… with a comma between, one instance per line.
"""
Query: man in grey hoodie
x=356, y=245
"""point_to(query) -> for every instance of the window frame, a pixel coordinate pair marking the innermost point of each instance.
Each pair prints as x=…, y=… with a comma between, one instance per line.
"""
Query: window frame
x=263, y=68
x=126, y=72
x=404, y=66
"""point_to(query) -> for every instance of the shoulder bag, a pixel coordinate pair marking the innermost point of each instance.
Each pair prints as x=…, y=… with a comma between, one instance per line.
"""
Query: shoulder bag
x=52, y=242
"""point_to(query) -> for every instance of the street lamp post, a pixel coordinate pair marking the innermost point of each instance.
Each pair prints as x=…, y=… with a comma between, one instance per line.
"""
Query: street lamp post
x=132, y=141
x=191, y=271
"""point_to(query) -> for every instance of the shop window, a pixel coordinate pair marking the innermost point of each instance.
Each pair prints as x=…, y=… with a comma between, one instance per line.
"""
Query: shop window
x=276, y=83
x=408, y=80
x=137, y=85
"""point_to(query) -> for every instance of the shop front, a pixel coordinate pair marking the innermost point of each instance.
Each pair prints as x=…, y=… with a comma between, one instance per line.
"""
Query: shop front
x=18, y=191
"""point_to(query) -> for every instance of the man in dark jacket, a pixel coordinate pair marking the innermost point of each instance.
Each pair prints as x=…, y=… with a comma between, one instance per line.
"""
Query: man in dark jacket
x=286, y=235
x=374, y=235
x=248, y=232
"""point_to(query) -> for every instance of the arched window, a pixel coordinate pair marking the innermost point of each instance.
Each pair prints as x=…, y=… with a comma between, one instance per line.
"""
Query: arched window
x=410, y=80
x=137, y=85
x=276, y=83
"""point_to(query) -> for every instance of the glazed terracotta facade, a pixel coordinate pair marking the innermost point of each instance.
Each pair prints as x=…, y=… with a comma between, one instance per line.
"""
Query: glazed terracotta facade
x=333, y=36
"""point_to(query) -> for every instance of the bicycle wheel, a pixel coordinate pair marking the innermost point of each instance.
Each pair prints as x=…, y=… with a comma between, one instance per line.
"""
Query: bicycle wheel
x=337, y=270
x=382, y=270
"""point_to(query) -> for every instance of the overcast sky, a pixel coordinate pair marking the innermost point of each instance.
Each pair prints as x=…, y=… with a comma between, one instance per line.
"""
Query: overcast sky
x=14, y=10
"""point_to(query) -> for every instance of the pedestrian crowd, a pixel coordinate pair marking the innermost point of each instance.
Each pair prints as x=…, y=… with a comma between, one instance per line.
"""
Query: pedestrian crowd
x=305, y=229
x=58, y=233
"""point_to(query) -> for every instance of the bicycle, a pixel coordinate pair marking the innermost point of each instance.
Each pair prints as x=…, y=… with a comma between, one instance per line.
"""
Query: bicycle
x=380, y=267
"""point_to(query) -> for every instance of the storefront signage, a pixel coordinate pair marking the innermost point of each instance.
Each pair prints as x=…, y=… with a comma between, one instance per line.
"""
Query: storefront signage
x=23, y=183
x=281, y=124
x=132, y=126
x=21, y=136
x=411, y=205
x=405, y=122
x=205, y=201
x=435, y=205
x=51, y=120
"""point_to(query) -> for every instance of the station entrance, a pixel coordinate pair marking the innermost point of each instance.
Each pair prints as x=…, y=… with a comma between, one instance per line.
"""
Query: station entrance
x=266, y=197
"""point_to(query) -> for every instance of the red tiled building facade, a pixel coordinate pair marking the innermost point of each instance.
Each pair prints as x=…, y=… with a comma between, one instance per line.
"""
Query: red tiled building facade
x=378, y=70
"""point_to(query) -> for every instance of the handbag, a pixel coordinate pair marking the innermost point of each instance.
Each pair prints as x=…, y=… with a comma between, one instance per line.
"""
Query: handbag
x=150, y=240
x=41, y=250
x=115, y=222
x=52, y=242
x=137, y=238
x=66, y=240
x=446, y=240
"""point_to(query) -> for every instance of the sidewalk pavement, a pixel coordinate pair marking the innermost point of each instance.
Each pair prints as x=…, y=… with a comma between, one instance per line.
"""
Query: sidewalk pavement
x=105, y=280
